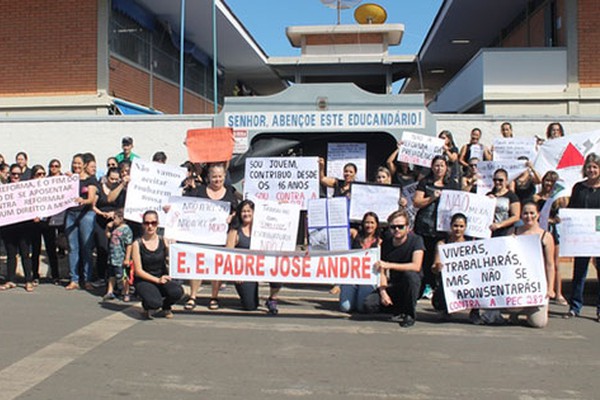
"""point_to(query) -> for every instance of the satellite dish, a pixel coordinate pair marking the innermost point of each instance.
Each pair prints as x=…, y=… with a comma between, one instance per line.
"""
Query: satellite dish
x=340, y=5
x=370, y=14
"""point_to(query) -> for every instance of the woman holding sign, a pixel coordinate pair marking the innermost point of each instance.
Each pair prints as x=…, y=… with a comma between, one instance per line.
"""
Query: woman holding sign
x=341, y=187
x=214, y=190
x=473, y=149
x=239, y=238
x=508, y=207
x=585, y=194
x=152, y=281
x=427, y=198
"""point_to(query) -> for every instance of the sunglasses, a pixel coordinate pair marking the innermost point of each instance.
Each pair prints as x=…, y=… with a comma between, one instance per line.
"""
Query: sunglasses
x=15, y=173
x=473, y=165
x=498, y=180
x=150, y=223
x=397, y=227
x=40, y=174
x=54, y=166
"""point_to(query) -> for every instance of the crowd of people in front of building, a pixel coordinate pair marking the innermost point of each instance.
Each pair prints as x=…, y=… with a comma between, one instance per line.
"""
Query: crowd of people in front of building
x=132, y=255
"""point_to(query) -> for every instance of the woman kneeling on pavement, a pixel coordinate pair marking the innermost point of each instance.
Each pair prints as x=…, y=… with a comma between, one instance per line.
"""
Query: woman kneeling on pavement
x=152, y=281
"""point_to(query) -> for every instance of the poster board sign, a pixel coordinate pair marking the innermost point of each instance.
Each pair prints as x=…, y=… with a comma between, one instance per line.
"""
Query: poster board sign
x=478, y=209
x=275, y=226
x=353, y=267
x=209, y=144
x=282, y=179
x=37, y=198
x=408, y=192
x=419, y=149
x=328, y=225
x=150, y=187
x=195, y=220
x=513, y=148
x=340, y=154
x=486, y=169
x=380, y=199
x=579, y=232
x=502, y=272
x=240, y=141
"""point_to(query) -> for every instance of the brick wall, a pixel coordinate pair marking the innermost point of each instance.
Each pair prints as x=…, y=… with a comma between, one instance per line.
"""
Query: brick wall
x=132, y=84
x=48, y=47
x=588, y=15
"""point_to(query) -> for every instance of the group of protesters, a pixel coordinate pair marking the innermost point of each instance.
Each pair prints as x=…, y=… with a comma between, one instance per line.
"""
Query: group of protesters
x=135, y=254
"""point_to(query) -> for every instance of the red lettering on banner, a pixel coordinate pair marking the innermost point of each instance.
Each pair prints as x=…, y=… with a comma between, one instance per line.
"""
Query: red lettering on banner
x=228, y=266
x=366, y=267
x=514, y=301
x=321, y=268
x=200, y=263
x=181, y=268
x=492, y=302
x=218, y=262
x=260, y=265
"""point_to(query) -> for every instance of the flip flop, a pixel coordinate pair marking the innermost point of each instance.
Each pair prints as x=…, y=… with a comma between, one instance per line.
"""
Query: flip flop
x=190, y=304
x=8, y=286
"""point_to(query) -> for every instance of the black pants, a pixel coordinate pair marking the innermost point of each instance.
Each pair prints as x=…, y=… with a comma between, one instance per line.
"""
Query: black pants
x=404, y=292
x=248, y=292
x=39, y=230
x=156, y=296
x=428, y=257
x=17, y=239
x=101, y=242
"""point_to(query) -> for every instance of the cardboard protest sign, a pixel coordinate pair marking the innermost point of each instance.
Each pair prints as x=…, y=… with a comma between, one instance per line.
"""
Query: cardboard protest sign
x=328, y=225
x=275, y=226
x=478, y=209
x=579, y=232
x=195, y=220
x=353, y=267
x=486, y=169
x=209, y=144
x=150, y=187
x=340, y=154
x=513, y=148
x=282, y=179
x=419, y=149
x=380, y=199
x=502, y=272
x=37, y=198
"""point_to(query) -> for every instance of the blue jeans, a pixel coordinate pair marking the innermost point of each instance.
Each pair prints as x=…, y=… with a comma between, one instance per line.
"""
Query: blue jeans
x=79, y=228
x=580, y=269
x=352, y=297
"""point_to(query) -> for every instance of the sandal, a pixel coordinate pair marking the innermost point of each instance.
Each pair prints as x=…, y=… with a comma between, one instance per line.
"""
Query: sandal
x=190, y=304
x=8, y=286
x=29, y=287
x=213, y=304
x=126, y=298
x=72, y=286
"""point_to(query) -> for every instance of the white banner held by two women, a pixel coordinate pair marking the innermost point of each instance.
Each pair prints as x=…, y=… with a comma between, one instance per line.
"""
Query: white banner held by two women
x=502, y=272
x=37, y=198
x=195, y=220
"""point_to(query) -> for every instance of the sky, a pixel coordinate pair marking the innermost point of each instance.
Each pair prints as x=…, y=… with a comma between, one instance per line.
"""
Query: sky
x=266, y=20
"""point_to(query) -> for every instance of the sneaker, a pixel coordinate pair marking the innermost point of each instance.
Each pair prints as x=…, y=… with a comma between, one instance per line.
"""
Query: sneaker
x=570, y=315
x=168, y=314
x=272, y=306
x=397, y=318
x=109, y=296
x=407, y=322
x=427, y=293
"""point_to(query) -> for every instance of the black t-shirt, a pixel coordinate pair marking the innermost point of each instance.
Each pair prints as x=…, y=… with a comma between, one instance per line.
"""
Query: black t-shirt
x=229, y=196
x=426, y=219
x=84, y=188
x=401, y=254
x=584, y=196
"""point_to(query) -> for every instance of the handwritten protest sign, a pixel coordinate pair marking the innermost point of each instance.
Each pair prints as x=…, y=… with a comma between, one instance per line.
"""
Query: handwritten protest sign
x=503, y=272
x=328, y=225
x=486, y=169
x=513, y=148
x=340, y=154
x=275, y=226
x=419, y=149
x=579, y=232
x=209, y=144
x=478, y=209
x=195, y=220
x=150, y=187
x=41, y=198
x=282, y=179
x=348, y=267
x=380, y=199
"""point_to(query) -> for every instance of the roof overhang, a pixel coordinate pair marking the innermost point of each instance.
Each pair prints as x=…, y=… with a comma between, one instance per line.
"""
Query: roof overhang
x=237, y=53
x=460, y=29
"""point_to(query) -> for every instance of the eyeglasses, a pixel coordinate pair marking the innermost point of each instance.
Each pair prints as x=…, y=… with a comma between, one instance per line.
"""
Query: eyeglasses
x=498, y=180
x=150, y=223
x=397, y=227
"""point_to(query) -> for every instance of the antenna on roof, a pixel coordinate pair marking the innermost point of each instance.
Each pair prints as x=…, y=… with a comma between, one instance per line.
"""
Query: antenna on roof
x=340, y=5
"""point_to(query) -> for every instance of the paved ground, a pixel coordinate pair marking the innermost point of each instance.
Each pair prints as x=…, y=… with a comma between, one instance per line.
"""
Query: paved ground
x=68, y=345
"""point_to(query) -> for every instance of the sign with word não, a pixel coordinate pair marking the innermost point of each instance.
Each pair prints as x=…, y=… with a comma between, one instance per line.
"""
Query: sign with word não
x=502, y=272
x=478, y=209
x=37, y=198
x=195, y=220
x=353, y=267
x=150, y=187
x=275, y=226
x=282, y=179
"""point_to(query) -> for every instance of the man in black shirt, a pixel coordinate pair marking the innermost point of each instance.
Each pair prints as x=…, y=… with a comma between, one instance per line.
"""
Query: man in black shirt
x=401, y=255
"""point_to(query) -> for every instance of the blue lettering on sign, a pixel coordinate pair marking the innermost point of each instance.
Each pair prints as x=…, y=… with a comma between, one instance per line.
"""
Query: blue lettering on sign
x=246, y=121
x=294, y=120
x=397, y=119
